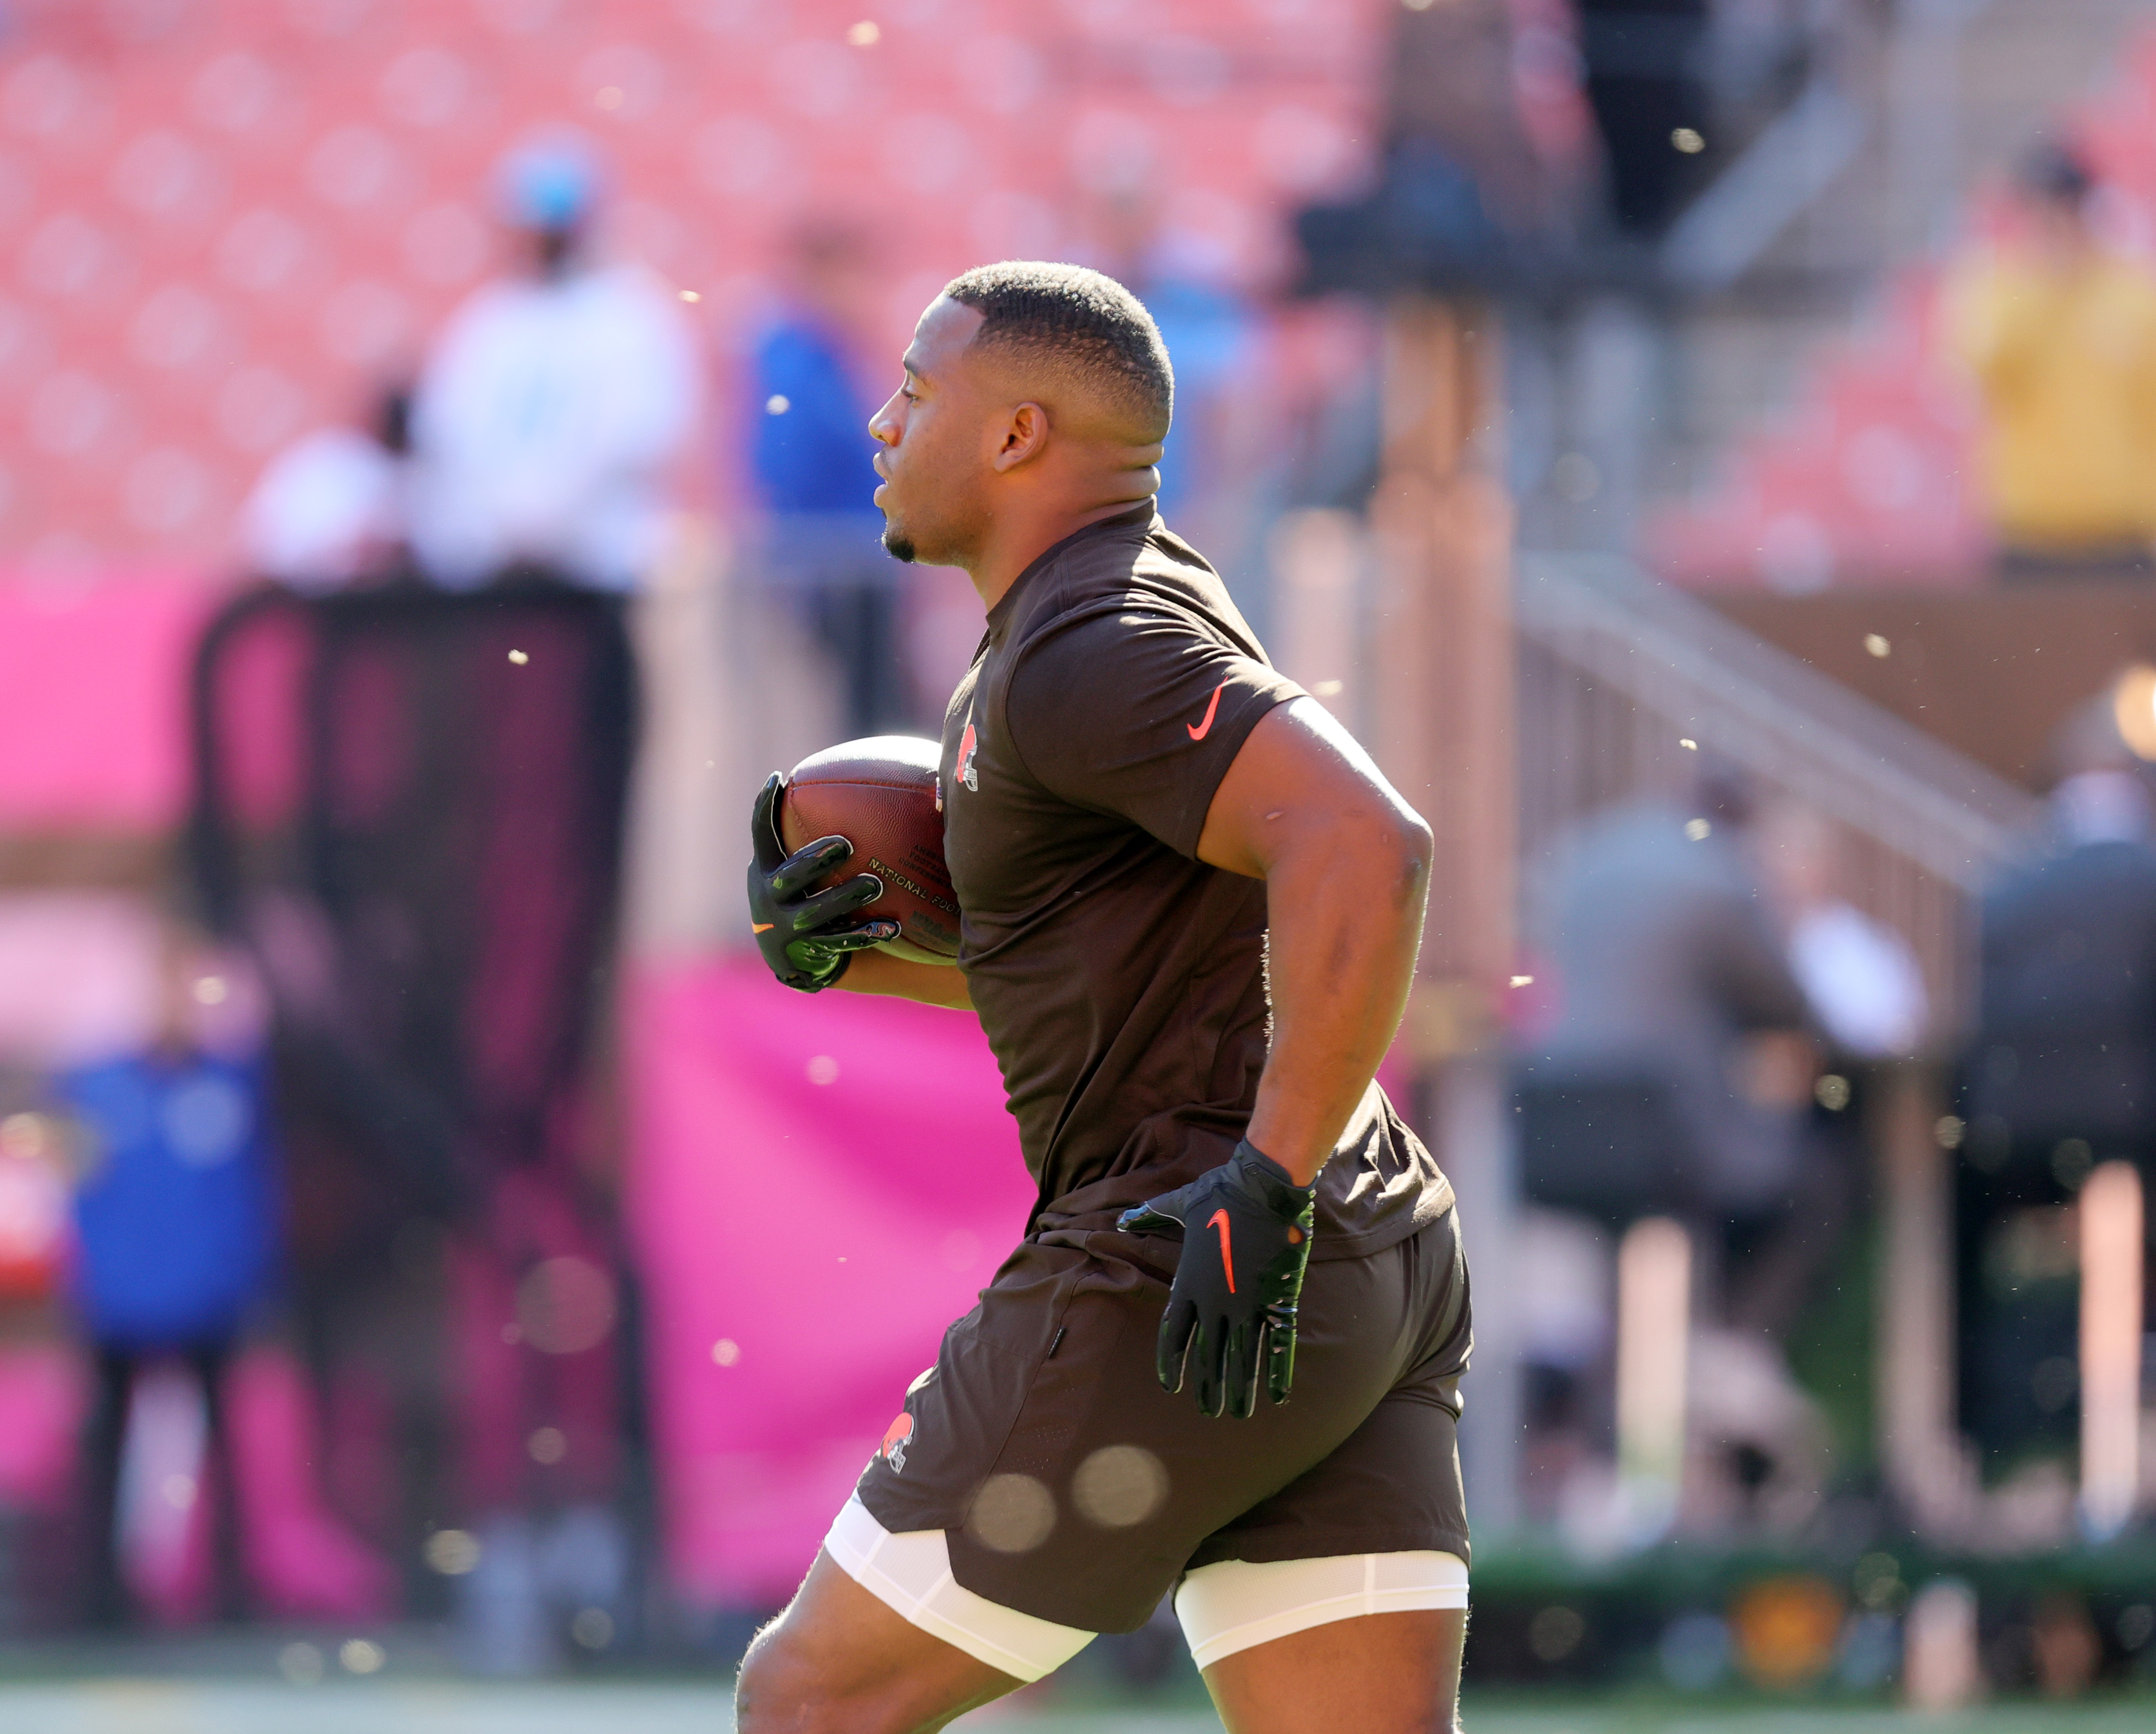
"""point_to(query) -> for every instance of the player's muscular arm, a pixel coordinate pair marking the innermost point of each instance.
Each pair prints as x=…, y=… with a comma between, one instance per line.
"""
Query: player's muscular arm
x=878, y=972
x=1346, y=863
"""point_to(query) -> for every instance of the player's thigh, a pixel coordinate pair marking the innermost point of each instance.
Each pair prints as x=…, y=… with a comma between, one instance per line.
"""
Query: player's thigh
x=839, y=1660
x=1376, y=1674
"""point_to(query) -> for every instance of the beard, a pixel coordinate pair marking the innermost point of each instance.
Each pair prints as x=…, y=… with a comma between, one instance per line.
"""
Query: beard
x=898, y=544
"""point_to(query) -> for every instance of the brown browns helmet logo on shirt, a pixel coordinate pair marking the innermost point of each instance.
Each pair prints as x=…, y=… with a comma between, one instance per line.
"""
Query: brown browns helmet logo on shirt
x=894, y=1438
x=969, y=745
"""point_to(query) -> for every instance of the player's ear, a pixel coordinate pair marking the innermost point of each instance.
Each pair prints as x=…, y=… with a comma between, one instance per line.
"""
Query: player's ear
x=1025, y=435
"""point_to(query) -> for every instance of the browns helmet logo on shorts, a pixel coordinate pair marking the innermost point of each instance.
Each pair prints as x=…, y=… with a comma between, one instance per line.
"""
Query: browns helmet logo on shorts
x=896, y=1437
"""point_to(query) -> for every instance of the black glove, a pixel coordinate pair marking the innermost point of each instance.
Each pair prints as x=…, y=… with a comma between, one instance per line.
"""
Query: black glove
x=798, y=934
x=1246, y=1229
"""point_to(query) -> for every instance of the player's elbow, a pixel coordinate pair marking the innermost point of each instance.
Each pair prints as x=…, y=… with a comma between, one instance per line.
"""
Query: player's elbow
x=1392, y=848
x=1414, y=847
x=1416, y=838
x=1355, y=839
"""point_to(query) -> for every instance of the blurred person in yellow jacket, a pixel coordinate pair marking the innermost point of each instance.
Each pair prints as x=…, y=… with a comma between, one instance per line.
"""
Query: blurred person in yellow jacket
x=2060, y=332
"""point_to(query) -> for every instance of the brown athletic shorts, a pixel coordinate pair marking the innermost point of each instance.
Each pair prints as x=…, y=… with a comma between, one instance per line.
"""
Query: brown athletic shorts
x=1073, y=1488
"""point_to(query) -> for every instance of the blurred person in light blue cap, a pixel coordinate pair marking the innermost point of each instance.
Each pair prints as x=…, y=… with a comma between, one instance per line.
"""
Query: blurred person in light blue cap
x=547, y=186
x=550, y=415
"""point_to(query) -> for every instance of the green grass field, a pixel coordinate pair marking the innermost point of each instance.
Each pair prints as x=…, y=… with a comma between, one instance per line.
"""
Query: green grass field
x=231, y=1681
x=388, y=1707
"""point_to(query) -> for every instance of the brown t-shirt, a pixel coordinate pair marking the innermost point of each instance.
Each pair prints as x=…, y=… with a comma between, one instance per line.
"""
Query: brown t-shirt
x=1122, y=980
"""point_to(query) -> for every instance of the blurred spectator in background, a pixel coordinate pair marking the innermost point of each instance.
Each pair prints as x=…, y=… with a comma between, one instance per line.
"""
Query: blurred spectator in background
x=176, y=1243
x=1860, y=977
x=1865, y=988
x=1211, y=331
x=1478, y=121
x=2060, y=332
x=332, y=506
x=811, y=453
x=1488, y=158
x=2067, y=1019
x=558, y=401
x=1673, y=1082
x=1645, y=61
x=1670, y=1078
x=2060, y=1076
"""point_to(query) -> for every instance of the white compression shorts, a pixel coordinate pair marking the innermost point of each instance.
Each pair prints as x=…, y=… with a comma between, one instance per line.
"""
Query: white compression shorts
x=1238, y=1604
x=1225, y=1608
x=911, y=1574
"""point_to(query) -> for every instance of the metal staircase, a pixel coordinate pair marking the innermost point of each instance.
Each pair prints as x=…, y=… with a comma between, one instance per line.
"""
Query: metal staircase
x=1617, y=671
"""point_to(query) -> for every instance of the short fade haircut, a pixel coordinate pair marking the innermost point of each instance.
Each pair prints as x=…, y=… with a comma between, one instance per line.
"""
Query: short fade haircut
x=1087, y=320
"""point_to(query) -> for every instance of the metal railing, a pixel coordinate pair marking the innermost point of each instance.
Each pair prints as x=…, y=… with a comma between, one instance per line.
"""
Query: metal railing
x=1618, y=671
x=1728, y=229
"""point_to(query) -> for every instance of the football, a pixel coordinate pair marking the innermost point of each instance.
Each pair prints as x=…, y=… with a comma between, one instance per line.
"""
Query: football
x=880, y=794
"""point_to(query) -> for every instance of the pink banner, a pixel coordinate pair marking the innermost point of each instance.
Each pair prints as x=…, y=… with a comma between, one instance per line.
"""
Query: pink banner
x=822, y=1185
x=93, y=692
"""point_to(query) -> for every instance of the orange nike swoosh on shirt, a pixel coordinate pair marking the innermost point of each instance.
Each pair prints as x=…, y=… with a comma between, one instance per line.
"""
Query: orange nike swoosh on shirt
x=1212, y=709
x=762, y=927
x=1220, y=1220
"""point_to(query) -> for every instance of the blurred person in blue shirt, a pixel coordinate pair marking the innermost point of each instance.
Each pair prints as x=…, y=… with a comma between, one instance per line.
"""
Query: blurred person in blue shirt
x=1221, y=462
x=1212, y=335
x=809, y=453
x=175, y=1241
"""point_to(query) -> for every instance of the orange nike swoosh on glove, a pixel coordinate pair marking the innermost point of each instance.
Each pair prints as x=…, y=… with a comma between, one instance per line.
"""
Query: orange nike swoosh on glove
x=1220, y=1220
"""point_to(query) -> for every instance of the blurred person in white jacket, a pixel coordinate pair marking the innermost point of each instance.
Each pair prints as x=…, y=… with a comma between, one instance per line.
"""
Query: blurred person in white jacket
x=556, y=403
x=1861, y=977
x=331, y=509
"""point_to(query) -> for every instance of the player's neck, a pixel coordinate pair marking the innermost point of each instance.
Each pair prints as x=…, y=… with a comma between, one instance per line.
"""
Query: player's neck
x=1014, y=545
